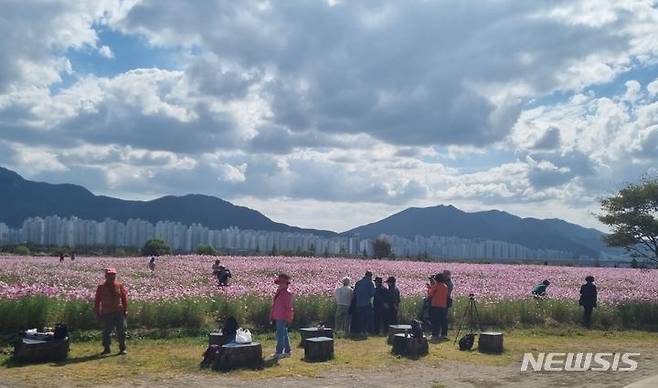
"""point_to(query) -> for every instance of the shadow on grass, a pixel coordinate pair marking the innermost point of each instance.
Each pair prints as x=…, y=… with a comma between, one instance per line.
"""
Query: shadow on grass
x=14, y=363
x=77, y=360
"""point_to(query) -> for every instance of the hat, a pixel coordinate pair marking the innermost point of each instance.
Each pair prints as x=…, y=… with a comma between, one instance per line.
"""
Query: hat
x=110, y=271
x=391, y=279
x=283, y=278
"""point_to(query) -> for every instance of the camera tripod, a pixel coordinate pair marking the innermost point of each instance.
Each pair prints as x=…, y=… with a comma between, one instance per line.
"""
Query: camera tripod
x=471, y=318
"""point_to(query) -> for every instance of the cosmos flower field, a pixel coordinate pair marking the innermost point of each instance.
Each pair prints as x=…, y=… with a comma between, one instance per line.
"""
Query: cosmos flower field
x=184, y=277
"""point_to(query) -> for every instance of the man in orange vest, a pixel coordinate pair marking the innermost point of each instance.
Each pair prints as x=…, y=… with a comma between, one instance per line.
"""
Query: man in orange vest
x=111, y=309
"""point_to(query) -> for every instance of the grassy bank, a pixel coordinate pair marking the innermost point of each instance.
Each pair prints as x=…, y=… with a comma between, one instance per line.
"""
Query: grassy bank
x=251, y=311
x=174, y=362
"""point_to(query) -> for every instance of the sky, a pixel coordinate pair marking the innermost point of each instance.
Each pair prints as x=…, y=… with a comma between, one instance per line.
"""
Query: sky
x=332, y=114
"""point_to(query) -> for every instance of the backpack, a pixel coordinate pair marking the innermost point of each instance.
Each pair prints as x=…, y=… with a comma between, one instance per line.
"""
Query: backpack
x=210, y=355
x=466, y=342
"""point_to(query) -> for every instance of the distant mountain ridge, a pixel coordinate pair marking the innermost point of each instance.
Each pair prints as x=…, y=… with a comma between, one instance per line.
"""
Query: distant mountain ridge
x=490, y=225
x=21, y=199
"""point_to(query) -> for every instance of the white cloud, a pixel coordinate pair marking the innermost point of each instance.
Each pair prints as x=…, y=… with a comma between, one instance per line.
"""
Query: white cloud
x=106, y=52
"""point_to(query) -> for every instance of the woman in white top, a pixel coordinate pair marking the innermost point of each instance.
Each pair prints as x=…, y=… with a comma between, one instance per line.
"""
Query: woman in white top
x=343, y=300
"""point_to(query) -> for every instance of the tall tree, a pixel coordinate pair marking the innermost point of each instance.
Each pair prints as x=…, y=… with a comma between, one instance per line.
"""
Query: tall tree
x=381, y=248
x=632, y=215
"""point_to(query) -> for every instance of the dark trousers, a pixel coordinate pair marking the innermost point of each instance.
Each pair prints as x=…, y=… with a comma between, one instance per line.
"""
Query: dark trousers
x=380, y=321
x=439, y=318
x=364, y=318
x=114, y=321
x=393, y=315
x=587, y=315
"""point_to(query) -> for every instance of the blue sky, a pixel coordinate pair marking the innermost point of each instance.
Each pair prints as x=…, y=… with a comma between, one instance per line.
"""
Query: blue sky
x=334, y=114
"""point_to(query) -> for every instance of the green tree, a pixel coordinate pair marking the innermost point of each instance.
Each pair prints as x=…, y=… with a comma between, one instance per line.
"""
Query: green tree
x=632, y=215
x=205, y=249
x=156, y=247
x=634, y=263
x=381, y=248
x=22, y=250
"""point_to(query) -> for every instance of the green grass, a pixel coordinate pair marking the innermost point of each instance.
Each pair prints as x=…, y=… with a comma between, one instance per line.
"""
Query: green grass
x=198, y=315
x=159, y=360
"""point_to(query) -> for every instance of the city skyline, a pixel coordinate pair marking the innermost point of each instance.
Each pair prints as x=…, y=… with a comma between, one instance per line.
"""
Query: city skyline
x=134, y=233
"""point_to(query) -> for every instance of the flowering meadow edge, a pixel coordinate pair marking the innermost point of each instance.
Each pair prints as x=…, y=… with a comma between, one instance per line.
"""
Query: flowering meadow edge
x=190, y=277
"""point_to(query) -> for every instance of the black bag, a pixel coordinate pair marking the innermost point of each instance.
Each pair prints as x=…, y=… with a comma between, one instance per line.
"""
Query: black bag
x=61, y=331
x=466, y=342
x=416, y=329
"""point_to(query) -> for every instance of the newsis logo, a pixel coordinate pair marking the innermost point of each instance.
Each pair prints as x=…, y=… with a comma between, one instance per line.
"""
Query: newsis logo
x=579, y=362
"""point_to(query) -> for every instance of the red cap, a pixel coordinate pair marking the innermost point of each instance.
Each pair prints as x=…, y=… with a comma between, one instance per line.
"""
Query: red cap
x=110, y=271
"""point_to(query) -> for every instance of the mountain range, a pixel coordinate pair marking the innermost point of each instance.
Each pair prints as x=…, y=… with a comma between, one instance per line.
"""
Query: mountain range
x=491, y=225
x=21, y=199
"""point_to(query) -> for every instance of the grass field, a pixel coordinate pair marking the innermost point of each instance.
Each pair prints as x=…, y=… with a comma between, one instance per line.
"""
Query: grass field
x=158, y=361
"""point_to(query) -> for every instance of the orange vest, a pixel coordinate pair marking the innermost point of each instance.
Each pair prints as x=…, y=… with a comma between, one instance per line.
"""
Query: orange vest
x=110, y=298
x=439, y=295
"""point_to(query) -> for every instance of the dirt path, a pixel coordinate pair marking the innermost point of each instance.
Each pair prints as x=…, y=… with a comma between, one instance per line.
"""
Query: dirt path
x=448, y=374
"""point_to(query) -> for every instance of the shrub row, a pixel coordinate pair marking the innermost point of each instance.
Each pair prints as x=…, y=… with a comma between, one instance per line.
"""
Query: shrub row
x=253, y=311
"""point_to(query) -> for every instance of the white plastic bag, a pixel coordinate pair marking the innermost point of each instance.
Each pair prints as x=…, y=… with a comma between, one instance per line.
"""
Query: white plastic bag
x=243, y=336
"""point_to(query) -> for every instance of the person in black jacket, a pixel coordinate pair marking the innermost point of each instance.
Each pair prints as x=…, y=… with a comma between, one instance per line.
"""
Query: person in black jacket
x=394, y=306
x=588, y=300
x=381, y=302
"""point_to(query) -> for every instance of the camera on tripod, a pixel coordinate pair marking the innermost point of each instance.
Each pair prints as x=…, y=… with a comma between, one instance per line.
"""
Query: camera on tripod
x=471, y=322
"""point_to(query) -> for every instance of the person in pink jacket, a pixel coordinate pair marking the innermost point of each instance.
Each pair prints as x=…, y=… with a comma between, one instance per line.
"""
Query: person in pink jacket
x=282, y=315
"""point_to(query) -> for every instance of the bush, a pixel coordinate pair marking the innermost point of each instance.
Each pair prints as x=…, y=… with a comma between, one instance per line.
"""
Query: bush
x=156, y=247
x=22, y=250
x=24, y=313
x=207, y=250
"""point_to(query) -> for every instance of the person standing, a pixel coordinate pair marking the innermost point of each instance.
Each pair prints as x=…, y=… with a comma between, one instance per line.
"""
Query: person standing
x=447, y=276
x=588, y=300
x=394, y=305
x=111, y=305
x=381, y=303
x=282, y=314
x=343, y=297
x=364, y=291
x=438, y=293
x=151, y=264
